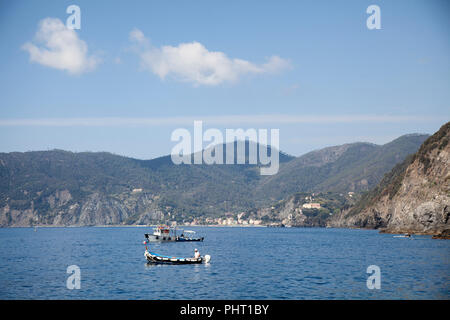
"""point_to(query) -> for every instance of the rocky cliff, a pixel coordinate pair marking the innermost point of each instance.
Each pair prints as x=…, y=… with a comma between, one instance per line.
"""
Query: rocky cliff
x=414, y=197
x=95, y=209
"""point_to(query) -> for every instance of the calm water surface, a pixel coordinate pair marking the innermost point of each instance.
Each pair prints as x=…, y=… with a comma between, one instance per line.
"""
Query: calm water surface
x=247, y=263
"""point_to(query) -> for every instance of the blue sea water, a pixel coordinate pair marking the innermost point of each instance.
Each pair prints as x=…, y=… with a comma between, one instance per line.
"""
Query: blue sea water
x=247, y=263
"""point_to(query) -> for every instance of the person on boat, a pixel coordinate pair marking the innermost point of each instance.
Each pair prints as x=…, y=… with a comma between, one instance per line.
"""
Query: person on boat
x=196, y=254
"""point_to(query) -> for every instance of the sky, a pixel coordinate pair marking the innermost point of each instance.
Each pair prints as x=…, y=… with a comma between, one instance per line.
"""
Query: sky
x=137, y=70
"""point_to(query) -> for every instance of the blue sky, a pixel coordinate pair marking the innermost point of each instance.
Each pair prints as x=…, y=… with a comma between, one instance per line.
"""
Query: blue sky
x=309, y=68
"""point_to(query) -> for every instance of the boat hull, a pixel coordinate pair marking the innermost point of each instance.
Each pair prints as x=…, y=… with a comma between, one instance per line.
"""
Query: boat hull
x=179, y=239
x=156, y=258
x=155, y=238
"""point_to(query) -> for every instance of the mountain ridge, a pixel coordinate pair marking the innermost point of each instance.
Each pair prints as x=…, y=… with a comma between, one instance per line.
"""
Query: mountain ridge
x=66, y=188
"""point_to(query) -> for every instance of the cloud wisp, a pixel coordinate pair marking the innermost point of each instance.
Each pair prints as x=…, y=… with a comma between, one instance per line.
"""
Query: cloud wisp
x=60, y=47
x=193, y=62
x=271, y=119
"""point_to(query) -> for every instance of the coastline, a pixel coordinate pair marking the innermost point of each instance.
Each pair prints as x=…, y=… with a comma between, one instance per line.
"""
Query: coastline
x=442, y=234
x=136, y=226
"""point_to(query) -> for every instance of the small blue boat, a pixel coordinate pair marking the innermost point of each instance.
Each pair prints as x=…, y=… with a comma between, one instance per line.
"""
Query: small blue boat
x=157, y=258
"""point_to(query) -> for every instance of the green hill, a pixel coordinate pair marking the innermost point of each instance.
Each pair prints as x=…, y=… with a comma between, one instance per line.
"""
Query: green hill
x=65, y=188
x=351, y=167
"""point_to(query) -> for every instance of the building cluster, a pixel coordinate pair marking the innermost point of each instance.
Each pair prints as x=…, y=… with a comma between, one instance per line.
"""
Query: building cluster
x=311, y=205
x=226, y=221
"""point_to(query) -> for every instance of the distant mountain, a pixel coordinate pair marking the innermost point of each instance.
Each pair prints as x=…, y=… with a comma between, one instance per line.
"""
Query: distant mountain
x=65, y=188
x=350, y=167
x=413, y=197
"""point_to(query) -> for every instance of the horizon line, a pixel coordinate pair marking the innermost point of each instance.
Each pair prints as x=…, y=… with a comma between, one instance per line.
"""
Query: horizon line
x=216, y=120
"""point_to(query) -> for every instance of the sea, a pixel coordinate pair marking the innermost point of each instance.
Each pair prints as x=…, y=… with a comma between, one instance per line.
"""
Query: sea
x=246, y=263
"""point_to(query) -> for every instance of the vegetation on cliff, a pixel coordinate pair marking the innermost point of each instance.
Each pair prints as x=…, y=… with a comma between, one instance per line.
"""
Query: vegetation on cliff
x=413, y=197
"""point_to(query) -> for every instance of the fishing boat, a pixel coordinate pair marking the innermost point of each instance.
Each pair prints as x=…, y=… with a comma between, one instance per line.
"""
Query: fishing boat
x=161, y=259
x=164, y=233
x=157, y=258
x=407, y=235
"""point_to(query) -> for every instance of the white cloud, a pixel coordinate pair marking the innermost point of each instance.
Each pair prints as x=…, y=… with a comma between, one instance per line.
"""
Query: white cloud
x=138, y=36
x=192, y=62
x=61, y=48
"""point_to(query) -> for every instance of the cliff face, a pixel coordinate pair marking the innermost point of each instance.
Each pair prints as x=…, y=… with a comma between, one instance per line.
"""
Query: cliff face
x=414, y=197
x=96, y=209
